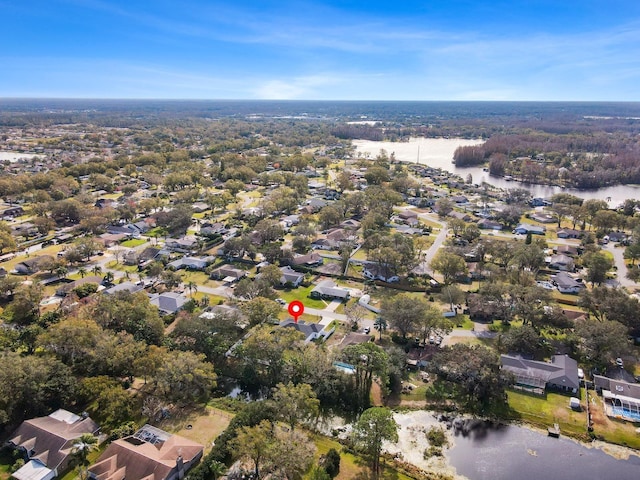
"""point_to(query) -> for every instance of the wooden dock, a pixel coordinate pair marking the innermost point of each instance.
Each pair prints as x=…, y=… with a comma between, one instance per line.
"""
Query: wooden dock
x=554, y=431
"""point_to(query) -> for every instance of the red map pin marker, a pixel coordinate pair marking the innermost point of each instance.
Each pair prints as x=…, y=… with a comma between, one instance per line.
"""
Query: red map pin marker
x=296, y=308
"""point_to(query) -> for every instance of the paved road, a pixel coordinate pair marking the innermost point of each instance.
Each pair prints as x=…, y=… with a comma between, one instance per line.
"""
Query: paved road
x=621, y=279
x=437, y=243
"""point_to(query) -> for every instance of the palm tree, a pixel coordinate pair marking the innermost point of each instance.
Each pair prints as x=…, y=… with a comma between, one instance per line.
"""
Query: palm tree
x=96, y=270
x=380, y=324
x=217, y=469
x=108, y=277
x=82, y=272
x=81, y=449
x=192, y=287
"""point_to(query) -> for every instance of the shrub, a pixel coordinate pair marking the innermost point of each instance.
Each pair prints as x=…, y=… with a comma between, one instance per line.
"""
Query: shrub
x=331, y=463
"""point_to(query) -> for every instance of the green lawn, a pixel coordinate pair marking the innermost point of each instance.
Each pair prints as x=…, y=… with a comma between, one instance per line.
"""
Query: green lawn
x=302, y=294
x=353, y=466
x=134, y=242
x=544, y=411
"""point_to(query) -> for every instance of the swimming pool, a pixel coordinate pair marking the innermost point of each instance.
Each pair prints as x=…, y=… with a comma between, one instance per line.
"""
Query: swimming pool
x=626, y=413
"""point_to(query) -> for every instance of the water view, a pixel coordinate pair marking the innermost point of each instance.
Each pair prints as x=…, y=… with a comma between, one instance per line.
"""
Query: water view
x=438, y=153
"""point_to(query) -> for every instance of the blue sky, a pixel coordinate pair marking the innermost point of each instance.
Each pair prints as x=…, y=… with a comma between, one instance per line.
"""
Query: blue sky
x=331, y=50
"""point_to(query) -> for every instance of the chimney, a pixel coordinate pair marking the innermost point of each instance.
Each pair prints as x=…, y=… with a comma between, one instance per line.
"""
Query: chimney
x=180, y=467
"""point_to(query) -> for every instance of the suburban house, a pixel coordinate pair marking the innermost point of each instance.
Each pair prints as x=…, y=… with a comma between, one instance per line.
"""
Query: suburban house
x=168, y=302
x=328, y=289
x=289, y=275
x=184, y=244
x=111, y=239
x=561, y=262
x=46, y=443
x=559, y=374
x=525, y=228
x=616, y=237
x=569, y=233
x=543, y=218
x=191, y=263
x=228, y=274
x=33, y=265
x=65, y=288
x=12, y=212
x=567, y=250
x=487, y=224
x=408, y=217
x=145, y=257
x=350, y=224
x=311, y=331
x=148, y=454
x=123, y=287
x=309, y=260
x=621, y=398
x=325, y=244
x=374, y=271
x=566, y=284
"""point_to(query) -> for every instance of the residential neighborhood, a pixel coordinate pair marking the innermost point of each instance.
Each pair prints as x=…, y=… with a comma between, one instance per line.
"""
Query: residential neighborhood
x=151, y=290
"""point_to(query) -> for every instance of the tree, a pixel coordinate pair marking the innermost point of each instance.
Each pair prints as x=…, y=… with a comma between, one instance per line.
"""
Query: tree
x=380, y=324
x=80, y=451
x=295, y=403
x=444, y=207
x=265, y=353
x=25, y=307
x=449, y=265
x=473, y=375
x=432, y=321
x=605, y=303
x=368, y=360
x=271, y=274
x=403, y=312
x=597, y=265
x=602, y=342
x=185, y=377
x=375, y=426
x=254, y=443
x=132, y=313
x=355, y=314
x=192, y=287
x=251, y=289
x=217, y=469
x=259, y=310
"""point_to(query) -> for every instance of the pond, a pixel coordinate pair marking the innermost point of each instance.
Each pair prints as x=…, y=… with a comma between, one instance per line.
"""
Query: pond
x=480, y=450
x=484, y=451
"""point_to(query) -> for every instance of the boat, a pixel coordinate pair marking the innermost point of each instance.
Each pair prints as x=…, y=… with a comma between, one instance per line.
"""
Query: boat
x=554, y=431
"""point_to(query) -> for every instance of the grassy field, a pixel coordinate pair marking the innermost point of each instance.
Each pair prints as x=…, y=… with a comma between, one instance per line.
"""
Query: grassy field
x=352, y=466
x=544, y=411
x=610, y=429
x=134, y=242
x=202, y=427
x=302, y=294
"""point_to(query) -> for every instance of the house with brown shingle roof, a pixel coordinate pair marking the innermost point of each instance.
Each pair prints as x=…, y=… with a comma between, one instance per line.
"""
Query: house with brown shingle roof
x=148, y=454
x=46, y=443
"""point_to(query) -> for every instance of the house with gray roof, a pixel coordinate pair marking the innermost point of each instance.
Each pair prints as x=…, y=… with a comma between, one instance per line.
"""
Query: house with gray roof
x=123, y=287
x=525, y=228
x=311, y=331
x=559, y=374
x=566, y=283
x=191, y=263
x=168, y=302
x=328, y=289
x=289, y=275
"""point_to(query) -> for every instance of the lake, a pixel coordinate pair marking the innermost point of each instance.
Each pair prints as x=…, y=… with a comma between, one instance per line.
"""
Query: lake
x=438, y=153
x=483, y=451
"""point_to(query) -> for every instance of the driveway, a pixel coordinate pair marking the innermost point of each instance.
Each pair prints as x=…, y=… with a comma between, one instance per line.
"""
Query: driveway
x=621, y=279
